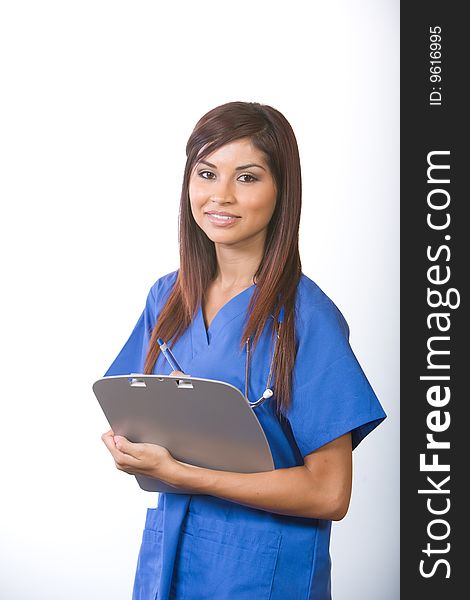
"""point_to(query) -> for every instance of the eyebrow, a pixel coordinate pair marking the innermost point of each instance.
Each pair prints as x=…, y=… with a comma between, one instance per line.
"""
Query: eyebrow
x=240, y=168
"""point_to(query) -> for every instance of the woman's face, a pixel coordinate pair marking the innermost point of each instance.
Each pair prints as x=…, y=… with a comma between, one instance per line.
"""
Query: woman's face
x=233, y=194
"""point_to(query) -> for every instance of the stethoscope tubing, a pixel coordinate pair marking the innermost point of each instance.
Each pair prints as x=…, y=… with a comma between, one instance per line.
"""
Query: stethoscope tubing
x=268, y=393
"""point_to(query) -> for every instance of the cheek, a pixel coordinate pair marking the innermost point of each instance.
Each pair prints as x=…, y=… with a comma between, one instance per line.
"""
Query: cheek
x=264, y=207
x=195, y=198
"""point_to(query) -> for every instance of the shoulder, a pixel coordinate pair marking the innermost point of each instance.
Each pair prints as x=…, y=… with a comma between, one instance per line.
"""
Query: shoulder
x=315, y=310
x=163, y=285
x=159, y=292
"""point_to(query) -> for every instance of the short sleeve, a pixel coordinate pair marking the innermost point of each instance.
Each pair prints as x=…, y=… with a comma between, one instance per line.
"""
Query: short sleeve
x=131, y=358
x=331, y=393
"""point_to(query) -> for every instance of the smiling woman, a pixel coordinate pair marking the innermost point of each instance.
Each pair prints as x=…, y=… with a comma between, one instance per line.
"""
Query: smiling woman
x=238, y=195
x=239, y=285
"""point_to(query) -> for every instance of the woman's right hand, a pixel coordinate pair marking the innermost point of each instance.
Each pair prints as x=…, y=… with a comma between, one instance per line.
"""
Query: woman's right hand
x=180, y=373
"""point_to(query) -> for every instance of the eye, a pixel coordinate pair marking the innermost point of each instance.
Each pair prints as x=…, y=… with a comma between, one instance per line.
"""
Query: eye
x=201, y=174
x=252, y=178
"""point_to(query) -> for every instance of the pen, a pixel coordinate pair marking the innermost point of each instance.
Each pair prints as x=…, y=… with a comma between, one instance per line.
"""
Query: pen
x=168, y=355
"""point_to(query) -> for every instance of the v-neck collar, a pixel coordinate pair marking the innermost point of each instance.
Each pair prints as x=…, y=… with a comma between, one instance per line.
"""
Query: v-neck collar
x=235, y=306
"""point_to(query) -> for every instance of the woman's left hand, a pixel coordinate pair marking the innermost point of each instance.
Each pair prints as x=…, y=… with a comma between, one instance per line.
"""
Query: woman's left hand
x=139, y=459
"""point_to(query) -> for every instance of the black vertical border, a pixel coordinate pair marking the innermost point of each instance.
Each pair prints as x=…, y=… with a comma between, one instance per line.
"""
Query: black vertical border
x=424, y=129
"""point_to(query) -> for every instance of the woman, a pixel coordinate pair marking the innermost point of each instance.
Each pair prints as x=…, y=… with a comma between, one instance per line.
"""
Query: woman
x=239, y=294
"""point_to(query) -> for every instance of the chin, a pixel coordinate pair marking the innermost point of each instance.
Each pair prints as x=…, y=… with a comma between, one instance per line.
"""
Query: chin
x=222, y=238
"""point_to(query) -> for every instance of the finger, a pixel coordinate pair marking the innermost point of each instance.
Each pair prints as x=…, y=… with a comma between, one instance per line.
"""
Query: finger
x=122, y=460
x=180, y=373
x=108, y=434
x=118, y=455
x=108, y=439
x=125, y=462
x=125, y=446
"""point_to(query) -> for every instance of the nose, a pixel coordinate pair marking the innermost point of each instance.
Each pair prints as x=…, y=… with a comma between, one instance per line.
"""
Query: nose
x=222, y=192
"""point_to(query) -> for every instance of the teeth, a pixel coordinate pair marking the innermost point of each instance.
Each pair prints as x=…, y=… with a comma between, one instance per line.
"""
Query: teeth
x=222, y=217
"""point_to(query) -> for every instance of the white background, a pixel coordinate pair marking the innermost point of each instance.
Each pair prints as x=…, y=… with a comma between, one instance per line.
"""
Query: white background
x=98, y=100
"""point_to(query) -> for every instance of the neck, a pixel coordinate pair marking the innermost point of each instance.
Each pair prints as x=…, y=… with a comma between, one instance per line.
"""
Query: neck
x=236, y=267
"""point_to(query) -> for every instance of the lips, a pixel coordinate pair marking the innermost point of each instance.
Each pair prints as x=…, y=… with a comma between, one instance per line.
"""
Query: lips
x=221, y=214
x=221, y=219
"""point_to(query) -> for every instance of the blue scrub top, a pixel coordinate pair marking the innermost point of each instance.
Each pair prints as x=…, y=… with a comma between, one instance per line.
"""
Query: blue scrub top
x=199, y=546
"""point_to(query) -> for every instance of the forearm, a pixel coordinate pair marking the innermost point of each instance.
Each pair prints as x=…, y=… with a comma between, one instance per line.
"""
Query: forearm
x=318, y=489
x=290, y=491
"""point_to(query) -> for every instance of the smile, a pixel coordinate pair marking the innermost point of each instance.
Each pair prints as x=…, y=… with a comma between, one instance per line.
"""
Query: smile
x=222, y=220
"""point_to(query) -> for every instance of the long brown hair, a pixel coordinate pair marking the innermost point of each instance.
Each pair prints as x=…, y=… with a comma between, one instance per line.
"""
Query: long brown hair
x=279, y=270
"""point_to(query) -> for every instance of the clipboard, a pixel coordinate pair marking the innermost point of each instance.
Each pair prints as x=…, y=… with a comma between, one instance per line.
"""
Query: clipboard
x=202, y=422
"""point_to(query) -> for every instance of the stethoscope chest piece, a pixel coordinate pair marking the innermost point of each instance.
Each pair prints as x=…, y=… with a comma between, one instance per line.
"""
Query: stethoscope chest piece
x=268, y=393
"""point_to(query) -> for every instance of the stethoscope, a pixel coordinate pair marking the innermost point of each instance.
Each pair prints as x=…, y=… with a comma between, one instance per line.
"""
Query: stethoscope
x=268, y=391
